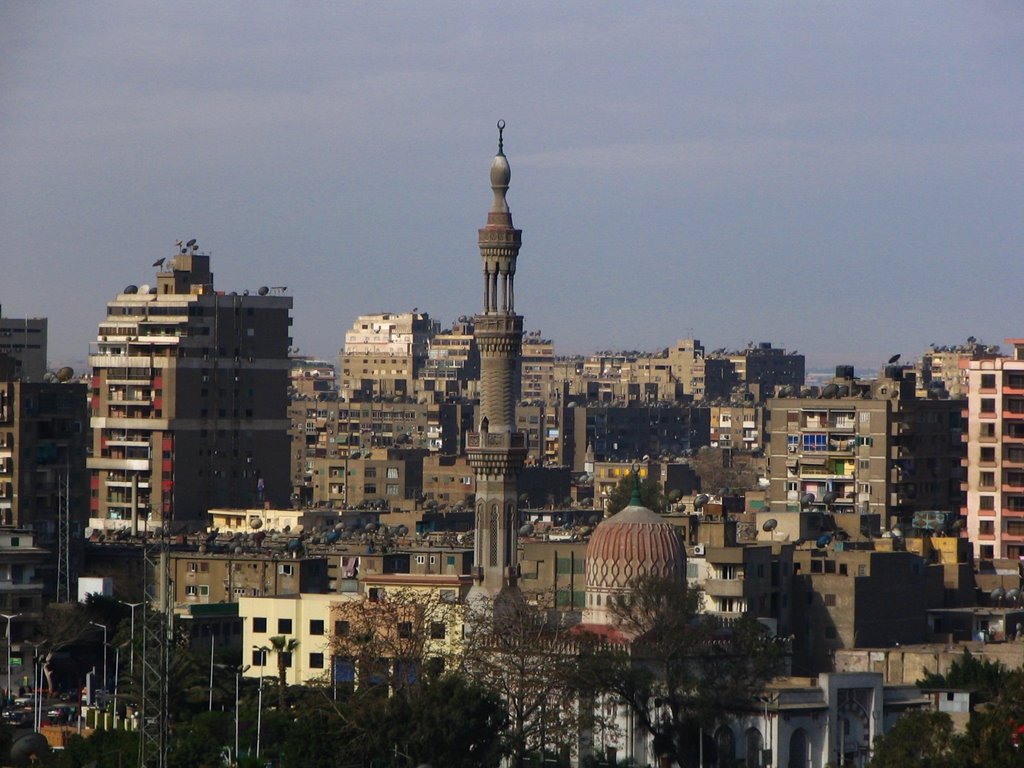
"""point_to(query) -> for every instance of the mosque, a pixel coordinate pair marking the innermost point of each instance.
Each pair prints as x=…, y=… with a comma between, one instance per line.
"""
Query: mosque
x=797, y=722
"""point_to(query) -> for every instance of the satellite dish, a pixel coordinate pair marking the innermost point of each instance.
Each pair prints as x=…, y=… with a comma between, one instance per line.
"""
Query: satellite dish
x=190, y=243
x=763, y=483
x=769, y=525
x=144, y=288
x=824, y=540
x=807, y=499
x=1012, y=595
x=829, y=497
x=65, y=374
x=131, y=289
x=894, y=359
x=997, y=594
x=526, y=530
x=701, y=501
x=255, y=523
x=897, y=532
x=27, y=747
x=263, y=291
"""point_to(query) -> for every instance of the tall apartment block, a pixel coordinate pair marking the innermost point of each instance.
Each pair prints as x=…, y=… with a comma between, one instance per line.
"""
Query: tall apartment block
x=995, y=455
x=24, y=340
x=866, y=446
x=384, y=354
x=189, y=399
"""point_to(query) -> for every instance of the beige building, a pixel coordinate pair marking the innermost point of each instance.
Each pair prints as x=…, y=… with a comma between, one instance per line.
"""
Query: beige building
x=995, y=455
x=189, y=398
x=392, y=476
x=384, y=354
x=866, y=445
x=201, y=578
x=306, y=618
x=537, y=379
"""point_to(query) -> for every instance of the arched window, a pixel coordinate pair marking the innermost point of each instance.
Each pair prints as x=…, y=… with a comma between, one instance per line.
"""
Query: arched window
x=798, y=749
x=725, y=748
x=753, y=747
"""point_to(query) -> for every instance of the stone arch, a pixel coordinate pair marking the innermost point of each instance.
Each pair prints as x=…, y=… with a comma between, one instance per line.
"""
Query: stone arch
x=753, y=744
x=725, y=747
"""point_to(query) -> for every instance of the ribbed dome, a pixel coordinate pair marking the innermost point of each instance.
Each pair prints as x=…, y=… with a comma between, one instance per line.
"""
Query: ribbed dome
x=635, y=542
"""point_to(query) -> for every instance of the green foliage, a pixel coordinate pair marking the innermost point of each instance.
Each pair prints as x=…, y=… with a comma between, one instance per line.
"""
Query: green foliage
x=918, y=740
x=104, y=749
x=651, y=495
x=984, y=678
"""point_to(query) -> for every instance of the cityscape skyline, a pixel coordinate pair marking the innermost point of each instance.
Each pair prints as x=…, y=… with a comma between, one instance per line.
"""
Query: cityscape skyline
x=840, y=181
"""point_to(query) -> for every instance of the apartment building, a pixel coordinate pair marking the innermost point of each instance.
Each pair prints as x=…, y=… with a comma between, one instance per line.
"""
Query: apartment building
x=866, y=445
x=207, y=577
x=762, y=368
x=43, y=440
x=24, y=340
x=189, y=398
x=737, y=426
x=305, y=618
x=537, y=379
x=994, y=462
x=943, y=369
x=384, y=354
x=392, y=476
x=452, y=367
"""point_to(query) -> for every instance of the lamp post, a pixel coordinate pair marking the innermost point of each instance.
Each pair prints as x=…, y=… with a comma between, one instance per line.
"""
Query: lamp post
x=37, y=684
x=104, y=628
x=263, y=651
x=238, y=675
x=131, y=654
x=9, y=617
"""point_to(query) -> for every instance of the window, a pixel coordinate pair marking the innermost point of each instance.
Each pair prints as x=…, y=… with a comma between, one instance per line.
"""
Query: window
x=987, y=502
x=341, y=628
x=830, y=601
x=286, y=569
x=287, y=657
x=987, y=479
x=815, y=441
x=259, y=658
x=437, y=630
x=988, y=453
x=316, y=626
x=988, y=528
x=987, y=429
x=259, y=624
x=392, y=473
x=371, y=472
x=284, y=626
x=316, y=661
x=204, y=590
x=420, y=559
x=193, y=567
x=190, y=590
x=988, y=405
x=405, y=629
x=449, y=596
x=988, y=381
x=391, y=489
x=370, y=488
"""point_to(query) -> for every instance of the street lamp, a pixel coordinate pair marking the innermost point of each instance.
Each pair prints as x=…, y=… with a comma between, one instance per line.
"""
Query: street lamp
x=263, y=651
x=131, y=656
x=104, y=628
x=238, y=674
x=9, y=617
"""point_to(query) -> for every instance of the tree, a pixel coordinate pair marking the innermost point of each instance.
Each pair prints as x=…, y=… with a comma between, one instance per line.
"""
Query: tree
x=392, y=637
x=284, y=647
x=651, y=495
x=921, y=739
x=984, y=678
x=679, y=670
x=718, y=468
x=514, y=650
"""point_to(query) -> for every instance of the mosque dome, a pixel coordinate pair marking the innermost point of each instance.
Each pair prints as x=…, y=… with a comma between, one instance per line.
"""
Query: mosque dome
x=633, y=543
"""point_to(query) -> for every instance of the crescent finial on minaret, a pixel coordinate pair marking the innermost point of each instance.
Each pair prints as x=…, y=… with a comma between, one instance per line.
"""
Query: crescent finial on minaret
x=501, y=140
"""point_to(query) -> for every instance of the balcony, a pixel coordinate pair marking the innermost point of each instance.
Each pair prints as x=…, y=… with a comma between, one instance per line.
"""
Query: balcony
x=724, y=587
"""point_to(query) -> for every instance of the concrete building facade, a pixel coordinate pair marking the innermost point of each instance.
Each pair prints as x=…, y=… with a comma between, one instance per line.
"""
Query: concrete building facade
x=189, y=398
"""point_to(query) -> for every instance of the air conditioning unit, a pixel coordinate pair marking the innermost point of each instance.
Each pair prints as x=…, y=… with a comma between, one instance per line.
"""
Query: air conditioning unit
x=698, y=550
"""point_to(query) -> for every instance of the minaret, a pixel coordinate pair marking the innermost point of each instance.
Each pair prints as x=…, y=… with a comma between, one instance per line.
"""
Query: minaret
x=496, y=451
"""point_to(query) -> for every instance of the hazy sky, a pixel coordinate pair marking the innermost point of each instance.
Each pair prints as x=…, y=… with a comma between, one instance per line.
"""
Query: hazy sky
x=844, y=179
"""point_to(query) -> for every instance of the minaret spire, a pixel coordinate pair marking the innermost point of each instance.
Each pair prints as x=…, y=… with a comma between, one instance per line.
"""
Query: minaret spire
x=496, y=451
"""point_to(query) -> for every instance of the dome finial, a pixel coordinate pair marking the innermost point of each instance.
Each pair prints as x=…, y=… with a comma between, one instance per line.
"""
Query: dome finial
x=501, y=141
x=635, y=500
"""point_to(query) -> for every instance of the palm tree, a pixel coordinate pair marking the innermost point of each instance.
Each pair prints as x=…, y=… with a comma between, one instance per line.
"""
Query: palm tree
x=282, y=646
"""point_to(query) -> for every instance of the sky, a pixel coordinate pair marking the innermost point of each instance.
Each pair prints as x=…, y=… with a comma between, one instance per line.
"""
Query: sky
x=841, y=179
